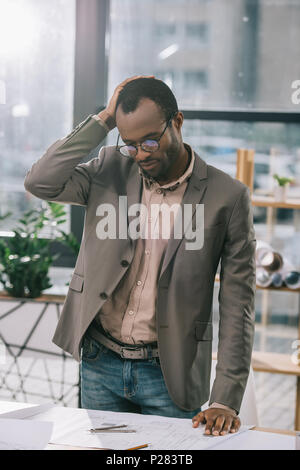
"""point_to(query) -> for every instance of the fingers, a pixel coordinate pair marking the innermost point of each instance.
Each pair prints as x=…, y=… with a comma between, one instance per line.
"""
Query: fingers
x=111, y=107
x=236, y=424
x=227, y=425
x=198, y=419
x=134, y=78
x=217, y=424
x=209, y=426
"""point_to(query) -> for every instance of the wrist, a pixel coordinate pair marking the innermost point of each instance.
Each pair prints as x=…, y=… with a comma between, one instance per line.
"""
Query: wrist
x=107, y=119
x=224, y=407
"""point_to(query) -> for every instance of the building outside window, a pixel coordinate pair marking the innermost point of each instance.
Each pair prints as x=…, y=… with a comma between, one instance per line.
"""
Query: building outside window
x=221, y=56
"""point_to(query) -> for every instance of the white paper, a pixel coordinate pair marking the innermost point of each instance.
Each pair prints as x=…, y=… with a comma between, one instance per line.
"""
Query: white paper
x=259, y=440
x=22, y=434
x=27, y=412
x=71, y=427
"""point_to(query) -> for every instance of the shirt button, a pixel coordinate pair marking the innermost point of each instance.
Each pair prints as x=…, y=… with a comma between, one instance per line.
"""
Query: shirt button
x=124, y=263
x=159, y=191
x=139, y=283
x=147, y=252
x=131, y=312
x=103, y=295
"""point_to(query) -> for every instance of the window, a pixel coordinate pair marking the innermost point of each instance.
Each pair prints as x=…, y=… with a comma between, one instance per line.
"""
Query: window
x=247, y=48
x=36, y=91
x=196, y=79
x=197, y=32
x=164, y=30
x=226, y=61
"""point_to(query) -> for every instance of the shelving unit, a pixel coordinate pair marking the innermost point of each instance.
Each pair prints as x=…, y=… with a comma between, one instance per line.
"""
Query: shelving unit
x=272, y=362
x=271, y=204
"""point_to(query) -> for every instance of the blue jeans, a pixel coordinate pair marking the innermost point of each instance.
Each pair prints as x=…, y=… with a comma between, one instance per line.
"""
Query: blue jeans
x=111, y=383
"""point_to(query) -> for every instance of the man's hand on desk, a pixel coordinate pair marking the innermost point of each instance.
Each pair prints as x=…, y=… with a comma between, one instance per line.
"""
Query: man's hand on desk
x=218, y=421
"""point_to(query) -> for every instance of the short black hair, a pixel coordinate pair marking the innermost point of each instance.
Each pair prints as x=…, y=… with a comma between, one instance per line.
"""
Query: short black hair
x=152, y=88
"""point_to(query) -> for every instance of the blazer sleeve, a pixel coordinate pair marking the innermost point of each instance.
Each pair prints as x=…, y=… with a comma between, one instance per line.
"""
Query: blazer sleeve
x=236, y=305
x=58, y=175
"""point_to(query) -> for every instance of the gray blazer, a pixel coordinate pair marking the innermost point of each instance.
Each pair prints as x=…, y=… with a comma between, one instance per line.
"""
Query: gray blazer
x=186, y=281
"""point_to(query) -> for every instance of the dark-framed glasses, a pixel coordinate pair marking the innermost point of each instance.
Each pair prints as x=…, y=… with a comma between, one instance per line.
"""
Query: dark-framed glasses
x=149, y=145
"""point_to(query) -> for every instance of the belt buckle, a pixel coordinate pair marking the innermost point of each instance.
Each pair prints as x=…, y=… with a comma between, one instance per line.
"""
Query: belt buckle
x=133, y=349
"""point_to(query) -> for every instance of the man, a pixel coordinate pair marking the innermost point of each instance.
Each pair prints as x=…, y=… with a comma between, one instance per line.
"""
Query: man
x=140, y=306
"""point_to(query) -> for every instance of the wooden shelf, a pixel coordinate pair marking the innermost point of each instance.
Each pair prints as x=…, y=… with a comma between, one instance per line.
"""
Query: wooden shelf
x=272, y=363
x=43, y=298
x=282, y=289
x=268, y=201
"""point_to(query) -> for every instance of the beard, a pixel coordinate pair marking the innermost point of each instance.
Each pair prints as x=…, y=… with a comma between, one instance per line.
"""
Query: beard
x=166, y=162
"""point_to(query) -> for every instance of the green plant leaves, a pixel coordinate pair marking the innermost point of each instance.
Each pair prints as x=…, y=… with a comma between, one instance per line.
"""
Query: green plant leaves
x=25, y=258
x=282, y=180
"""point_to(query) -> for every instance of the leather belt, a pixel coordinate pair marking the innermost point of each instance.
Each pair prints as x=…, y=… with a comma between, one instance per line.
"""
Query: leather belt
x=126, y=352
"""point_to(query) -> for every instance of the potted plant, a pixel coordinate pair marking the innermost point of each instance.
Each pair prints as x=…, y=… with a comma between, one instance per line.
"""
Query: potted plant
x=25, y=257
x=280, y=190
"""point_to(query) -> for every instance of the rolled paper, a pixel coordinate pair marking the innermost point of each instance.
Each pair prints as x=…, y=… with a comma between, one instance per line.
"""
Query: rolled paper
x=261, y=249
x=263, y=278
x=287, y=267
x=271, y=261
x=292, y=279
x=277, y=279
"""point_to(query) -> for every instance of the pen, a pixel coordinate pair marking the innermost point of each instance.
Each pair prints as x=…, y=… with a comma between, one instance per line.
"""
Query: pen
x=138, y=447
x=108, y=427
x=115, y=430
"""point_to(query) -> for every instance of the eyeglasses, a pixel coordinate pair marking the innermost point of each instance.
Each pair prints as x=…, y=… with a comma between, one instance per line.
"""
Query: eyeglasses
x=149, y=145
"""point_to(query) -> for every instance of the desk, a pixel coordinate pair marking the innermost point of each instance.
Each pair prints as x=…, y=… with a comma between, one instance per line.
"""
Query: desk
x=12, y=406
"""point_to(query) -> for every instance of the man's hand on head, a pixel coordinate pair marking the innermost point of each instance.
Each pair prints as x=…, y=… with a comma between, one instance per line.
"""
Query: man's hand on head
x=108, y=115
x=218, y=421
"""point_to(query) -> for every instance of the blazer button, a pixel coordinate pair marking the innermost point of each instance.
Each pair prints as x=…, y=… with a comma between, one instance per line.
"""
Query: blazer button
x=103, y=295
x=124, y=263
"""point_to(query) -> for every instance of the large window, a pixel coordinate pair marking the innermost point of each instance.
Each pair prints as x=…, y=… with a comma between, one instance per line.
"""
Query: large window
x=218, y=56
x=37, y=40
x=214, y=54
x=224, y=60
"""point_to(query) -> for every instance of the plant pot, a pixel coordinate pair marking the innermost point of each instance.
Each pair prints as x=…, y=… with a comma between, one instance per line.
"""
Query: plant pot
x=280, y=193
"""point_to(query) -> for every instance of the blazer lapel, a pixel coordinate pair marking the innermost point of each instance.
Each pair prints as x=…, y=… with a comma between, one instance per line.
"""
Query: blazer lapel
x=193, y=195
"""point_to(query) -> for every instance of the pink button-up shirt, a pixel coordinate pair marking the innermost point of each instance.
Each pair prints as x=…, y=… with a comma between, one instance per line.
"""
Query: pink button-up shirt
x=129, y=314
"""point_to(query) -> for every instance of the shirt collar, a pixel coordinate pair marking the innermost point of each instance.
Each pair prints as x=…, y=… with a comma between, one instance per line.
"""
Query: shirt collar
x=149, y=181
